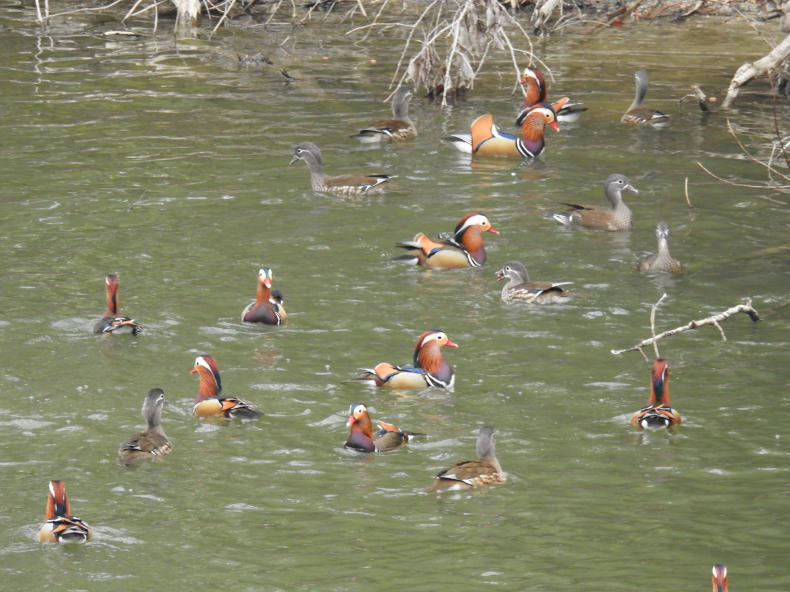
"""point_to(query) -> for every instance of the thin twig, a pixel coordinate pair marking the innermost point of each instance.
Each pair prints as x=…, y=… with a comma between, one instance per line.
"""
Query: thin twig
x=653, y=323
x=734, y=184
x=686, y=187
x=746, y=307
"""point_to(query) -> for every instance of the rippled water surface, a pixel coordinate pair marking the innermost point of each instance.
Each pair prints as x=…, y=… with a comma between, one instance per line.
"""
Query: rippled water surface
x=166, y=163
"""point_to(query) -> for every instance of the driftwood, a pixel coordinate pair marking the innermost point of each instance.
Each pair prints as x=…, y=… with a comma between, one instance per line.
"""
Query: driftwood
x=750, y=70
x=714, y=320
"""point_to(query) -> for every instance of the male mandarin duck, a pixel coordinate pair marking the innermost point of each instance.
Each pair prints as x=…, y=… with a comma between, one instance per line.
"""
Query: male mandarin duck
x=658, y=412
x=60, y=525
x=486, y=139
x=151, y=443
x=343, y=184
x=662, y=260
x=468, y=474
x=400, y=127
x=618, y=217
x=210, y=402
x=464, y=249
x=520, y=289
x=719, y=579
x=430, y=367
x=113, y=321
x=537, y=92
x=268, y=306
x=639, y=114
x=361, y=437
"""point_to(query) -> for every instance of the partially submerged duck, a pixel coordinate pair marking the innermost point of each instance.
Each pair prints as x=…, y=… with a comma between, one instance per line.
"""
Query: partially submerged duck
x=151, y=443
x=469, y=474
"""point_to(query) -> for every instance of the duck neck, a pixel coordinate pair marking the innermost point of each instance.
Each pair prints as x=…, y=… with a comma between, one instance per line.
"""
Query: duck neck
x=471, y=239
x=532, y=134
x=208, y=385
x=430, y=359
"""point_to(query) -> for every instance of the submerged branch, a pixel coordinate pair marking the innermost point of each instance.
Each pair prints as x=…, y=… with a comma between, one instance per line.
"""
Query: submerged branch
x=715, y=320
x=748, y=71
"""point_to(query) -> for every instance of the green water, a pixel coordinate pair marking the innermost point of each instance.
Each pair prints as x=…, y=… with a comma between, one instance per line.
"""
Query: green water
x=167, y=164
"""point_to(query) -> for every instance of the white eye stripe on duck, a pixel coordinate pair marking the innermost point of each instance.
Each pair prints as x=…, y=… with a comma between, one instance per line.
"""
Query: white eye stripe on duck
x=476, y=220
x=356, y=409
x=544, y=111
x=52, y=493
x=264, y=273
x=201, y=361
x=437, y=336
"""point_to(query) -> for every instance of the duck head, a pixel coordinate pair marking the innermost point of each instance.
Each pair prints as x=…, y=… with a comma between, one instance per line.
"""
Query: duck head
x=535, y=86
x=515, y=271
x=208, y=371
x=427, y=352
x=152, y=407
x=57, y=501
x=719, y=579
x=111, y=288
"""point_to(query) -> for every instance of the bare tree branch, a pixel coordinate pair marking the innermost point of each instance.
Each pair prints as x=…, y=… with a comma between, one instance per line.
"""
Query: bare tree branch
x=746, y=307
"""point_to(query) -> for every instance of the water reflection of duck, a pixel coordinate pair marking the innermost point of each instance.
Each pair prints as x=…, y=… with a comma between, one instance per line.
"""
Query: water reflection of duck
x=658, y=412
x=342, y=184
x=486, y=139
x=618, y=217
x=60, y=525
x=268, y=306
x=537, y=92
x=464, y=249
x=112, y=320
x=361, y=437
x=400, y=127
x=468, y=474
x=210, y=402
x=639, y=114
x=430, y=368
x=151, y=443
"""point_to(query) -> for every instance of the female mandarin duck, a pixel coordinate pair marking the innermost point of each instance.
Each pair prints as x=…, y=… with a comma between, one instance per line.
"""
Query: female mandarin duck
x=113, y=321
x=618, y=217
x=60, y=525
x=464, y=249
x=343, y=184
x=210, y=402
x=719, y=579
x=486, y=139
x=430, y=367
x=639, y=114
x=658, y=412
x=268, y=306
x=537, y=92
x=520, y=289
x=360, y=436
x=400, y=127
x=468, y=474
x=662, y=260
x=151, y=443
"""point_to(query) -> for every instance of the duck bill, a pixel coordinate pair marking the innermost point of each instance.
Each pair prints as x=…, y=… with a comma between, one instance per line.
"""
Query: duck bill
x=492, y=230
x=553, y=125
x=451, y=343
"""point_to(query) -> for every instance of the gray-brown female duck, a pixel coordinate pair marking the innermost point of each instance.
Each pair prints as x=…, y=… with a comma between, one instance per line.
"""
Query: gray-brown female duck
x=343, y=184
x=520, y=289
x=151, y=443
x=618, y=217
x=662, y=260
x=468, y=474
x=639, y=114
x=400, y=127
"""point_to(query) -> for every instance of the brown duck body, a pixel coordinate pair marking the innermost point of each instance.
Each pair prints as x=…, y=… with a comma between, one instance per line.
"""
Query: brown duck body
x=342, y=184
x=112, y=320
x=618, y=217
x=361, y=437
x=658, y=413
x=430, y=368
x=469, y=474
x=661, y=261
x=519, y=288
x=60, y=526
x=151, y=443
x=210, y=402
x=464, y=249
x=637, y=113
x=397, y=129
